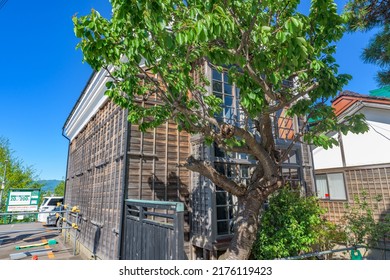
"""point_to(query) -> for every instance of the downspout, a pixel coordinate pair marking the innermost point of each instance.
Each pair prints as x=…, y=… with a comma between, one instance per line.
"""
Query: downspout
x=124, y=188
x=67, y=163
x=340, y=139
x=63, y=128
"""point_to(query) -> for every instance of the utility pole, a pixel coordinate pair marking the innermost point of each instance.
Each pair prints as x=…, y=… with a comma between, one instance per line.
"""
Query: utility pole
x=3, y=183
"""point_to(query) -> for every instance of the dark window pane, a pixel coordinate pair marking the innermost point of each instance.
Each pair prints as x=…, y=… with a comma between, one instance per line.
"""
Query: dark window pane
x=227, y=89
x=219, y=95
x=217, y=86
x=223, y=227
x=217, y=75
x=222, y=213
x=53, y=202
x=225, y=77
x=219, y=153
x=228, y=101
x=244, y=172
x=221, y=198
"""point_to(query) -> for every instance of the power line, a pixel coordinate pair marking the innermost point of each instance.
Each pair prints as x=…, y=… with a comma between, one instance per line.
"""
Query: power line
x=378, y=132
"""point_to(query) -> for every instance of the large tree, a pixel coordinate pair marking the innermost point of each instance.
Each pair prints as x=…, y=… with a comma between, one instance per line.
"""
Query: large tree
x=17, y=175
x=277, y=56
x=365, y=15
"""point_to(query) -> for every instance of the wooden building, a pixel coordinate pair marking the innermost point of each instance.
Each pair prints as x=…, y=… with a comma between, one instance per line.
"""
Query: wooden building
x=361, y=163
x=110, y=161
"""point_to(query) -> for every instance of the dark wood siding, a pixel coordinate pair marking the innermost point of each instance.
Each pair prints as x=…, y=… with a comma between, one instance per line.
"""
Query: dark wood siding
x=95, y=178
x=96, y=168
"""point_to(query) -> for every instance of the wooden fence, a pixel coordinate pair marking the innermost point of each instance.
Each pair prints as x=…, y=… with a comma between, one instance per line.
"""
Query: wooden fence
x=153, y=230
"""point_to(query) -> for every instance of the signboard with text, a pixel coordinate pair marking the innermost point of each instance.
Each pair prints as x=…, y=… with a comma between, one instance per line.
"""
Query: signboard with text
x=23, y=200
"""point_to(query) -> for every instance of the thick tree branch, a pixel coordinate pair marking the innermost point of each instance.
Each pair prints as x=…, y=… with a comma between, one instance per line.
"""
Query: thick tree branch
x=257, y=150
x=218, y=179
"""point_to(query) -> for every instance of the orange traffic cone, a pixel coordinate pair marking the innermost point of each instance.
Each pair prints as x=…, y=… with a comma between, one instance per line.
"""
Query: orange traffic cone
x=35, y=257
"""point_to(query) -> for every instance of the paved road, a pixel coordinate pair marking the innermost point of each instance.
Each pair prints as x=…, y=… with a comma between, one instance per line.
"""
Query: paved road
x=27, y=234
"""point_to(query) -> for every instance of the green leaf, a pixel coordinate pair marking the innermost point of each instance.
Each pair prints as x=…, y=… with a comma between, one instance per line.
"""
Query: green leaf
x=281, y=36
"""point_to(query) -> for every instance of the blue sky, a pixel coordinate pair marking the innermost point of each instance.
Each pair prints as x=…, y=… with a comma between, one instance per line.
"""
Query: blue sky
x=42, y=76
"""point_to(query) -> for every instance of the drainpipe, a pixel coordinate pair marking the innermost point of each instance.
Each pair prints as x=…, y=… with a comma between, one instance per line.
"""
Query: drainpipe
x=67, y=163
x=340, y=139
x=124, y=188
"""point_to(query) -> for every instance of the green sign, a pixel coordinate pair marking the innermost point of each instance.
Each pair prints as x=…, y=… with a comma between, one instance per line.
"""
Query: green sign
x=23, y=200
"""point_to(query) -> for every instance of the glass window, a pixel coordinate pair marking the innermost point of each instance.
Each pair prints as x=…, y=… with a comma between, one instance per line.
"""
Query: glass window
x=222, y=213
x=217, y=75
x=225, y=202
x=322, y=186
x=331, y=186
x=54, y=201
x=336, y=186
x=223, y=90
x=223, y=227
x=217, y=86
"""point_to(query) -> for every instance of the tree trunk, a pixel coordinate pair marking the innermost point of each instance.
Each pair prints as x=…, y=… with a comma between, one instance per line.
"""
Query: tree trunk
x=246, y=226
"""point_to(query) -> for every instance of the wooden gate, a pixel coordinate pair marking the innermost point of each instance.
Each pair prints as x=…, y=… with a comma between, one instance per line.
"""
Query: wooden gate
x=153, y=230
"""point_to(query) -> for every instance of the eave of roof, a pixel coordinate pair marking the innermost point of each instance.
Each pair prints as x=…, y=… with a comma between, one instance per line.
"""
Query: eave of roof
x=347, y=99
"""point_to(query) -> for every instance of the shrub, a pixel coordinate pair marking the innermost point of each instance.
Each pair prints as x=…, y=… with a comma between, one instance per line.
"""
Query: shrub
x=290, y=226
x=360, y=225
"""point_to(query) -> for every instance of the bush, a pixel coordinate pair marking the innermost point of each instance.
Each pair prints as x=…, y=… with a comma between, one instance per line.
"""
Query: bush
x=290, y=226
x=360, y=224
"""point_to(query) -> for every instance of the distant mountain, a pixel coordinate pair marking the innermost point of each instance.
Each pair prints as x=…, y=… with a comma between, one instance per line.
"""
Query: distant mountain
x=48, y=185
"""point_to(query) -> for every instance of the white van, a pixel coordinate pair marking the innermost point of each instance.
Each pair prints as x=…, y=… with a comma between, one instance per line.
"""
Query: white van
x=48, y=204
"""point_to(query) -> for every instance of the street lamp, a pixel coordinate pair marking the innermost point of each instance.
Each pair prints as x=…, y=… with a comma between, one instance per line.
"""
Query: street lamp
x=3, y=183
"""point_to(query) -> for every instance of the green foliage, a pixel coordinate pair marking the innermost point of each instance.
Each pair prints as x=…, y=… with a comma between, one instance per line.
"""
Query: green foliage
x=262, y=44
x=365, y=15
x=60, y=189
x=360, y=225
x=155, y=53
x=378, y=52
x=292, y=225
x=17, y=175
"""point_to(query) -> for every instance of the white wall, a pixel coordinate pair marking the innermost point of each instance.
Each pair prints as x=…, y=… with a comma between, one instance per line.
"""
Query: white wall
x=372, y=147
x=369, y=148
x=327, y=158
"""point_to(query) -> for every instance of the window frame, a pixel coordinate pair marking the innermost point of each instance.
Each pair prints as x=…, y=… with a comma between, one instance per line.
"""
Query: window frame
x=328, y=188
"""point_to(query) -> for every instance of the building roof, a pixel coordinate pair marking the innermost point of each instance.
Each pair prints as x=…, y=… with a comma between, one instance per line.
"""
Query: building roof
x=346, y=99
x=382, y=92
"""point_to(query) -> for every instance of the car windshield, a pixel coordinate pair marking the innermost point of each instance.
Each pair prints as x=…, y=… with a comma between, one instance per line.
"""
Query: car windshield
x=44, y=201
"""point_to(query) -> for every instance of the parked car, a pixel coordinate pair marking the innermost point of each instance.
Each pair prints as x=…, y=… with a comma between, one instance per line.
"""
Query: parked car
x=48, y=204
x=55, y=220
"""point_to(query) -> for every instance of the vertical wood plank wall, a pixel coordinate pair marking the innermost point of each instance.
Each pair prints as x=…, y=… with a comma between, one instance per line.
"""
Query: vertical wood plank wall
x=95, y=178
x=153, y=171
x=96, y=168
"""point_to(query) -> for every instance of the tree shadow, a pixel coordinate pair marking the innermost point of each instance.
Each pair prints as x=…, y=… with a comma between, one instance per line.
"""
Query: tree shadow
x=173, y=190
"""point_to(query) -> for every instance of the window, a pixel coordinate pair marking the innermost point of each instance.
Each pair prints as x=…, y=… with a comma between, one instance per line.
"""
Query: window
x=224, y=90
x=225, y=202
x=331, y=186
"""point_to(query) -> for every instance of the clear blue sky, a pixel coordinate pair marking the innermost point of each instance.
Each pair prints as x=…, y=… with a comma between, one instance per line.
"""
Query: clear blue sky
x=42, y=76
